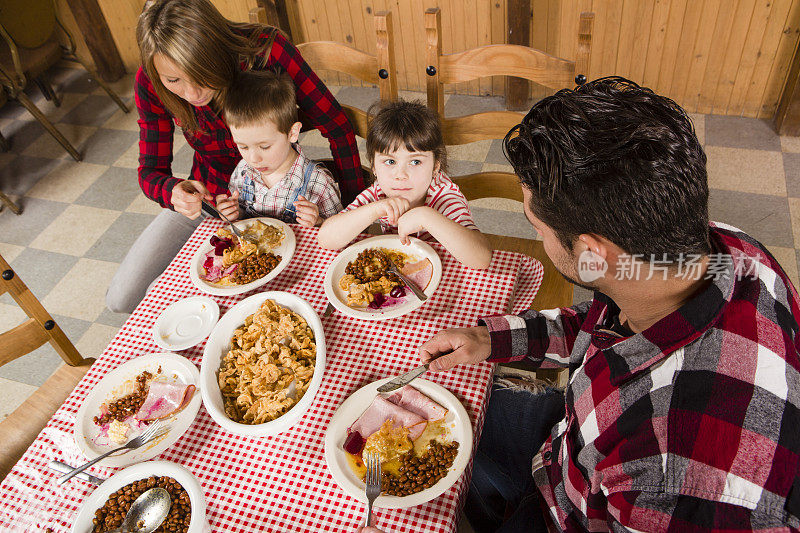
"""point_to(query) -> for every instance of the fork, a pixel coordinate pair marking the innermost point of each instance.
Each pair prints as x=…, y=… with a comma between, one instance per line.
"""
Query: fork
x=373, y=480
x=213, y=211
x=152, y=432
x=410, y=284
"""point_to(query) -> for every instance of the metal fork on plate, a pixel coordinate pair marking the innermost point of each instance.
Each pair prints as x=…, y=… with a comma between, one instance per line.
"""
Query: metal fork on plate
x=154, y=431
x=373, y=481
x=214, y=212
x=410, y=284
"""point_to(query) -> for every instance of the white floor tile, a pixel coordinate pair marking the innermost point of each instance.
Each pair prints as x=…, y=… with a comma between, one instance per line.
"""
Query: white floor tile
x=81, y=292
x=75, y=230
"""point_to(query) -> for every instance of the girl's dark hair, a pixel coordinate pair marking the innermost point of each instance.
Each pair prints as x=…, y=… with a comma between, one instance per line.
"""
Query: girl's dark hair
x=614, y=159
x=409, y=124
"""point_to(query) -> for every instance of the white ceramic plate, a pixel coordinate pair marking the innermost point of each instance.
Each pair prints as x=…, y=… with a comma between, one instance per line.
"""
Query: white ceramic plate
x=197, y=524
x=285, y=250
x=219, y=343
x=418, y=250
x=457, y=422
x=185, y=323
x=113, y=385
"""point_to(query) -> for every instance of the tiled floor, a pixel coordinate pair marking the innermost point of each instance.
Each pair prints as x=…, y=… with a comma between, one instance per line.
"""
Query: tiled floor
x=80, y=218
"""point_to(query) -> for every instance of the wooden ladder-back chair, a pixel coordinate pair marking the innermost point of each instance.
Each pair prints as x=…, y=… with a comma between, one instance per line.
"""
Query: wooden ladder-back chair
x=379, y=69
x=30, y=29
x=22, y=426
x=504, y=60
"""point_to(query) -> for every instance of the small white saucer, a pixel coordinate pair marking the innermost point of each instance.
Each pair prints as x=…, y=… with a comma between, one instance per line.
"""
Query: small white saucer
x=185, y=323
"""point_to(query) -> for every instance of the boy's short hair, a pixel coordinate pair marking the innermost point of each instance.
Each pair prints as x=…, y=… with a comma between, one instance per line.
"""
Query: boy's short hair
x=259, y=95
x=411, y=124
x=615, y=159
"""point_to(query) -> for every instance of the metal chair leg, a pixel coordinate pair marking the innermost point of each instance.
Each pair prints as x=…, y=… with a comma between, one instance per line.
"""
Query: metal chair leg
x=43, y=82
x=5, y=146
x=31, y=107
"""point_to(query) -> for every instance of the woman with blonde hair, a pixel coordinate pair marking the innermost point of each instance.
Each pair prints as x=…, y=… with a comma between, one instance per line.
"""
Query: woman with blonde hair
x=190, y=55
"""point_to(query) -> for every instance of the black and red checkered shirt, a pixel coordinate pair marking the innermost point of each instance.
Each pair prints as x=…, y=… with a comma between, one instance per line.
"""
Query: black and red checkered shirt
x=691, y=425
x=215, y=154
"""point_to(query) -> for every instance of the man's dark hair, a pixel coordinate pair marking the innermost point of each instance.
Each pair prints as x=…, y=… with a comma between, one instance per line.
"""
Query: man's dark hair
x=614, y=159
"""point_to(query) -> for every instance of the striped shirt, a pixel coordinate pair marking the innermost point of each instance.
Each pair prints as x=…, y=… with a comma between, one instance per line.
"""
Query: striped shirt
x=258, y=200
x=690, y=425
x=443, y=195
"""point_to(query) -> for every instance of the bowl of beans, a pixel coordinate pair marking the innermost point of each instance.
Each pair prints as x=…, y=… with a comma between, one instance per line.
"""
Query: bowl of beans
x=107, y=506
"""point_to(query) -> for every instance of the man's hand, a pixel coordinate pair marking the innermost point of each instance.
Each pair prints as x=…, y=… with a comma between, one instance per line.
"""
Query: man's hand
x=186, y=196
x=229, y=205
x=392, y=208
x=307, y=213
x=459, y=346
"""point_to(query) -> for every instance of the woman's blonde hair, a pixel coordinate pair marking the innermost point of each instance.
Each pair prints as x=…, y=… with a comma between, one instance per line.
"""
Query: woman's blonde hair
x=200, y=41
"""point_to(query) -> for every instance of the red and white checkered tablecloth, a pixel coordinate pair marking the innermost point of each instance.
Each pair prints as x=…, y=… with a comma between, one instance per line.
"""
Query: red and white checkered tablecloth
x=281, y=483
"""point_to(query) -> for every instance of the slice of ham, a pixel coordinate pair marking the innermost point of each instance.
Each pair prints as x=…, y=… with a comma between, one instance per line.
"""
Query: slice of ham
x=371, y=420
x=164, y=399
x=420, y=273
x=413, y=400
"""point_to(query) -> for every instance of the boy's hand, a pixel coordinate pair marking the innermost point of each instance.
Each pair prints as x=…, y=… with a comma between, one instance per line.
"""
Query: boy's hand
x=307, y=213
x=186, y=197
x=411, y=222
x=392, y=208
x=229, y=205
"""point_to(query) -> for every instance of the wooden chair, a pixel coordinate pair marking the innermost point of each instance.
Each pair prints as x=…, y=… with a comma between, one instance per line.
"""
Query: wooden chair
x=30, y=29
x=504, y=60
x=22, y=426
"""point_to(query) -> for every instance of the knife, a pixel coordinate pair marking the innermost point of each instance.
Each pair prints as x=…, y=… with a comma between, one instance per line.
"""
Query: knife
x=403, y=380
x=64, y=468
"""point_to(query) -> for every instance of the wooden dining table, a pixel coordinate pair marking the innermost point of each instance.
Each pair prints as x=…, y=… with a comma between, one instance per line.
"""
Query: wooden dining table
x=281, y=482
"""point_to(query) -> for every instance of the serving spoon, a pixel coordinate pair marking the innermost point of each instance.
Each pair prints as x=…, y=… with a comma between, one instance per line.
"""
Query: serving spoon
x=147, y=512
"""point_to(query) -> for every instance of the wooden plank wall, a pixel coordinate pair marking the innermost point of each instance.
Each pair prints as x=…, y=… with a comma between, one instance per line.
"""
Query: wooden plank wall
x=711, y=56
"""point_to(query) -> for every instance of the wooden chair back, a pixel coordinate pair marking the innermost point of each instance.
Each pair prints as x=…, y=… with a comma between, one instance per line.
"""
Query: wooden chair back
x=377, y=69
x=38, y=329
x=496, y=60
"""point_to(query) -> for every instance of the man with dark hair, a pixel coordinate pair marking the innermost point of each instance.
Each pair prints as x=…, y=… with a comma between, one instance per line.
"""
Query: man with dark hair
x=681, y=412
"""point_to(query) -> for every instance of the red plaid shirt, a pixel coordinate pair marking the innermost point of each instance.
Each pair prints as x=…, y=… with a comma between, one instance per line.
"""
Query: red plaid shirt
x=215, y=154
x=692, y=425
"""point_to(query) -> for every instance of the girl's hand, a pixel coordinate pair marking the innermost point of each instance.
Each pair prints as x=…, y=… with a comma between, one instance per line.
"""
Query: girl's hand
x=392, y=208
x=307, y=213
x=186, y=196
x=229, y=205
x=411, y=222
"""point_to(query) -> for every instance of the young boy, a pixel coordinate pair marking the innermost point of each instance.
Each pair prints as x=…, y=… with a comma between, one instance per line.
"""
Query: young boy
x=273, y=178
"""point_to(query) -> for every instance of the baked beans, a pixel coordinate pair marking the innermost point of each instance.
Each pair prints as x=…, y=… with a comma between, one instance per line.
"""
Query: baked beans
x=417, y=473
x=255, y=267
x=372, y=264
x=113, y=512
x=122, y=408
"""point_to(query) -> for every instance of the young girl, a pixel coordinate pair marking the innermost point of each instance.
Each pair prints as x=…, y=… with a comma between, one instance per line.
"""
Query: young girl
x=411, y=192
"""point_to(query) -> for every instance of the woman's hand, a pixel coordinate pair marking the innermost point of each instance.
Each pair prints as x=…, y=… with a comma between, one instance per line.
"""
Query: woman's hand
x=392, y=208
x=458, y=346
x=186, y=198
x=307, y=213
x=229, y=205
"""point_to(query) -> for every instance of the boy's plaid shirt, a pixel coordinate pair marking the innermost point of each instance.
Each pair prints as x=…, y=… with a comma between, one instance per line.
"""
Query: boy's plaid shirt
x=692, y=425
x=256, y=199
x=215, y=154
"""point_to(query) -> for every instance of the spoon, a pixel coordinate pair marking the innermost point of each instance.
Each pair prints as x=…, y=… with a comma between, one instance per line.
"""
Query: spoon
x=147, y=512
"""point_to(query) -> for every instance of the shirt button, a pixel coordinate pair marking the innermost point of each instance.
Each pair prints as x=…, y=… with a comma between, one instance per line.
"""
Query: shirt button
x=546, y=456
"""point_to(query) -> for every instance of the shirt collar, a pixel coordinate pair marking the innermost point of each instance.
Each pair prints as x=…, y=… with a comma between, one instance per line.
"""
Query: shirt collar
x=294, y=174
x=630, y=356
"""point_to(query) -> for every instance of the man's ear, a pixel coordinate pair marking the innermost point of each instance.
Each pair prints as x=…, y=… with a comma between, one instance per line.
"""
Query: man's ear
x=294, y=132
x=597, y=245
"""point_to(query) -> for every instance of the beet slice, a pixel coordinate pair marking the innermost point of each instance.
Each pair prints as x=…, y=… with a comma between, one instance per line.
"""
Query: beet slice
x=354, y=443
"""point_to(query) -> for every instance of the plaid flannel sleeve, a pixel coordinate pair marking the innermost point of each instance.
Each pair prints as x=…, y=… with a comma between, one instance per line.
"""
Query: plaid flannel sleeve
x=156, y=129
x=325, y=113
x=543, y=337
x=323, y=192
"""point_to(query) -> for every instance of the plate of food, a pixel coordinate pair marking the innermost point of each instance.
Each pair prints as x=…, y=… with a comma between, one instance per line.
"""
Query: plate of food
x=160, y=386
x=263, y=364
x=421, y=433
x=224, y=266
x=110, y=502
x=358, y=282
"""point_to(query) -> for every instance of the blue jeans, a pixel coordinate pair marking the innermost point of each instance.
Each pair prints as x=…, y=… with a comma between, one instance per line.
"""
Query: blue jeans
x=502, y=496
